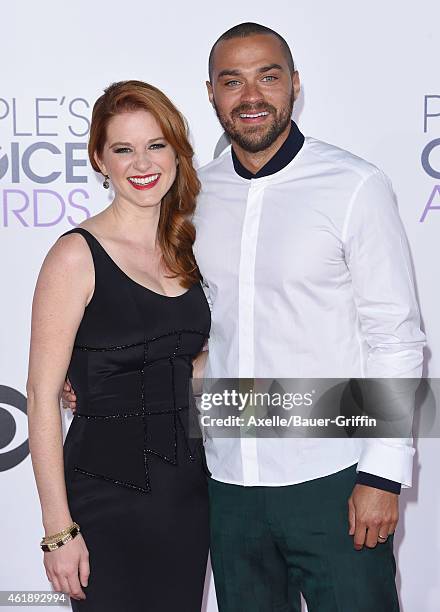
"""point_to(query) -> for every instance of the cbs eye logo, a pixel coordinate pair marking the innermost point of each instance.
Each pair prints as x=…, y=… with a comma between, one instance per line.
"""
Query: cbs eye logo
x=14, y=444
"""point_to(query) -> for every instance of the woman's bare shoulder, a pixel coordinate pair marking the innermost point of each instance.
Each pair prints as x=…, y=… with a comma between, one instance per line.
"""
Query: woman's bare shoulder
x=69, y=260
x=72, y=249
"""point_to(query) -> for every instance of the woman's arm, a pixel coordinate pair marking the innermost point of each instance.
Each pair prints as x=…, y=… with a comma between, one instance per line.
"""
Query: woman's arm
x=63, y=290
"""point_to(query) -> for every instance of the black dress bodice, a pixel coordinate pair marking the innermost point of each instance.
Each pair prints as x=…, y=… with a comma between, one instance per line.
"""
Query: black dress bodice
x=131, y=370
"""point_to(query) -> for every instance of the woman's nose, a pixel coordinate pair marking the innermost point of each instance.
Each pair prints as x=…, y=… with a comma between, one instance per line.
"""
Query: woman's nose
x=142, y=162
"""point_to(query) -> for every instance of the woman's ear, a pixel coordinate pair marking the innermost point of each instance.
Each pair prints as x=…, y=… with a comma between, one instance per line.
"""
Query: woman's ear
x=100, y=164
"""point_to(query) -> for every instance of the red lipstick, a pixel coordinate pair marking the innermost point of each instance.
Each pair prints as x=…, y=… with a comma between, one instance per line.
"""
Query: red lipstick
x=146, y=181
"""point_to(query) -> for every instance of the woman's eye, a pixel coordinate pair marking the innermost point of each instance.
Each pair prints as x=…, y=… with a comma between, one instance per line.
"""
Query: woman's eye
x=157, y=145
x=122, y=150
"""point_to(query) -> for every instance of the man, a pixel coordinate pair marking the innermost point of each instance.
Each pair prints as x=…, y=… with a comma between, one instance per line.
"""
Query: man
x=308, y=271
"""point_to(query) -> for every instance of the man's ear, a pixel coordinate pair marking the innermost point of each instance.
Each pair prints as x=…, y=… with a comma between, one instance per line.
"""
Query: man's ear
x=210, y=92
x=100, y=164
x=296, y=83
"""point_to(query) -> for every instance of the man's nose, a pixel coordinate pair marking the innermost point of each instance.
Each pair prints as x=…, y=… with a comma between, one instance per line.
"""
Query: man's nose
x=251, y=93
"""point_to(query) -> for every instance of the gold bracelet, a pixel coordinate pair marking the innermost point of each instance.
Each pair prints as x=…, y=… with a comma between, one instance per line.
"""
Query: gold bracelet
x=50, y=543
x=60, y=534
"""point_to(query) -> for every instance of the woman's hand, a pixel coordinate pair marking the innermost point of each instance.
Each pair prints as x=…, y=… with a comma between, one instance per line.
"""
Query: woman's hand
x=68, y=569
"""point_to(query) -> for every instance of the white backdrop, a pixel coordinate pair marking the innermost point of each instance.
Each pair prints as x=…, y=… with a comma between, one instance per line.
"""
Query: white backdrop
x=369, y=74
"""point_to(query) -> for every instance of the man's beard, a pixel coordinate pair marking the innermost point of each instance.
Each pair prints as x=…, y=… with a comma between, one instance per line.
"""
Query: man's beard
x=253, y=139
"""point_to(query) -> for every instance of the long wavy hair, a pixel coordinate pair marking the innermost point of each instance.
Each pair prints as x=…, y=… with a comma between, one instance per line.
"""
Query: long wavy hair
x=175, y=233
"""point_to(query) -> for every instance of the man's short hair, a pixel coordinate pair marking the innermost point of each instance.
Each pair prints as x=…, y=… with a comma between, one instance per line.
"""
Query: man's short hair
x=248, y=28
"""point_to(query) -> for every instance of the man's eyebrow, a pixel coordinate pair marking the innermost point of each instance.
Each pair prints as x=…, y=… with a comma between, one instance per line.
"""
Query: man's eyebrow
x=228, y=72
x=270, y=67
x=128, y=144
x=234, y=72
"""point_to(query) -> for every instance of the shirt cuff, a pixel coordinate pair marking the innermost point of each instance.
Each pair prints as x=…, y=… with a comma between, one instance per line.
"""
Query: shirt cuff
x=390, y=458
x=371, y=480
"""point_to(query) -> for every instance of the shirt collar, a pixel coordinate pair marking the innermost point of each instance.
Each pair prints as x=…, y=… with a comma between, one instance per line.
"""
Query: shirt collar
x=288, y=150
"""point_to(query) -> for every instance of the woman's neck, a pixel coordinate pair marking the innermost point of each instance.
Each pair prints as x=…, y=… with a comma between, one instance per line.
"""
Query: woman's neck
x=139, y=224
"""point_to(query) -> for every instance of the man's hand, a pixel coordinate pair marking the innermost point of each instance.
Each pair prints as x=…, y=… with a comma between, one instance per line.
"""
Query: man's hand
x=372, y=515
x=68, y=397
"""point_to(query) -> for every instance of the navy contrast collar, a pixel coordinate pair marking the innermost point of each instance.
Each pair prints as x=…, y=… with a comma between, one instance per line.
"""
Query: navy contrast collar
x=288, y=150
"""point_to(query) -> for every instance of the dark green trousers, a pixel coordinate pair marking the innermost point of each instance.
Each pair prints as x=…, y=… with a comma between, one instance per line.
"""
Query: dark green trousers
x=269, y=544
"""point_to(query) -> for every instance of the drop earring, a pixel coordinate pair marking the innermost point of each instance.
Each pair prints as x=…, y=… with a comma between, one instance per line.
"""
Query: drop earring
x=106, y=183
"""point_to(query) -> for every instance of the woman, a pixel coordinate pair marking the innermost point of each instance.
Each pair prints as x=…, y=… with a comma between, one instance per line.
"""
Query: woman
x=119, y=307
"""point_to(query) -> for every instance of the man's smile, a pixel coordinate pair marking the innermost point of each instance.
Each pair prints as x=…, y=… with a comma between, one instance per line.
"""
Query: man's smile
x=254, y=117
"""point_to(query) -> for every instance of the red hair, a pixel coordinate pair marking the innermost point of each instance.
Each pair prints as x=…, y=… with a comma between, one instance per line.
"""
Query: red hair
x=175, y=233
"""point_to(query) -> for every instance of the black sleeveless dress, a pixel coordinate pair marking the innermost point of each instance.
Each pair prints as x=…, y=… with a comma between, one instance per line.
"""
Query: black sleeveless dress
x=134, y=463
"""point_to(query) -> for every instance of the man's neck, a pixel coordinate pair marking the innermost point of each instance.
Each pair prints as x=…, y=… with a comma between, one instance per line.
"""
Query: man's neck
x=255, y=161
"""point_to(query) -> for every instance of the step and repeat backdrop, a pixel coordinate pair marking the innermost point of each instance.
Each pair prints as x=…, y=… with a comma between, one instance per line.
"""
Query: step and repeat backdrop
x=371, y=84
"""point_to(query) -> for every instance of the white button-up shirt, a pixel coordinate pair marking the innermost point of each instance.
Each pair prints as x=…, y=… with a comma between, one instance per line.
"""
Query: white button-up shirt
x=309, y=276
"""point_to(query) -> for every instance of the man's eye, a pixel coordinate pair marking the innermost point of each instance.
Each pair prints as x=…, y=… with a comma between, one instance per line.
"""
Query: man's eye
x=122, y=150
x=269, y=77
x=232, y=83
